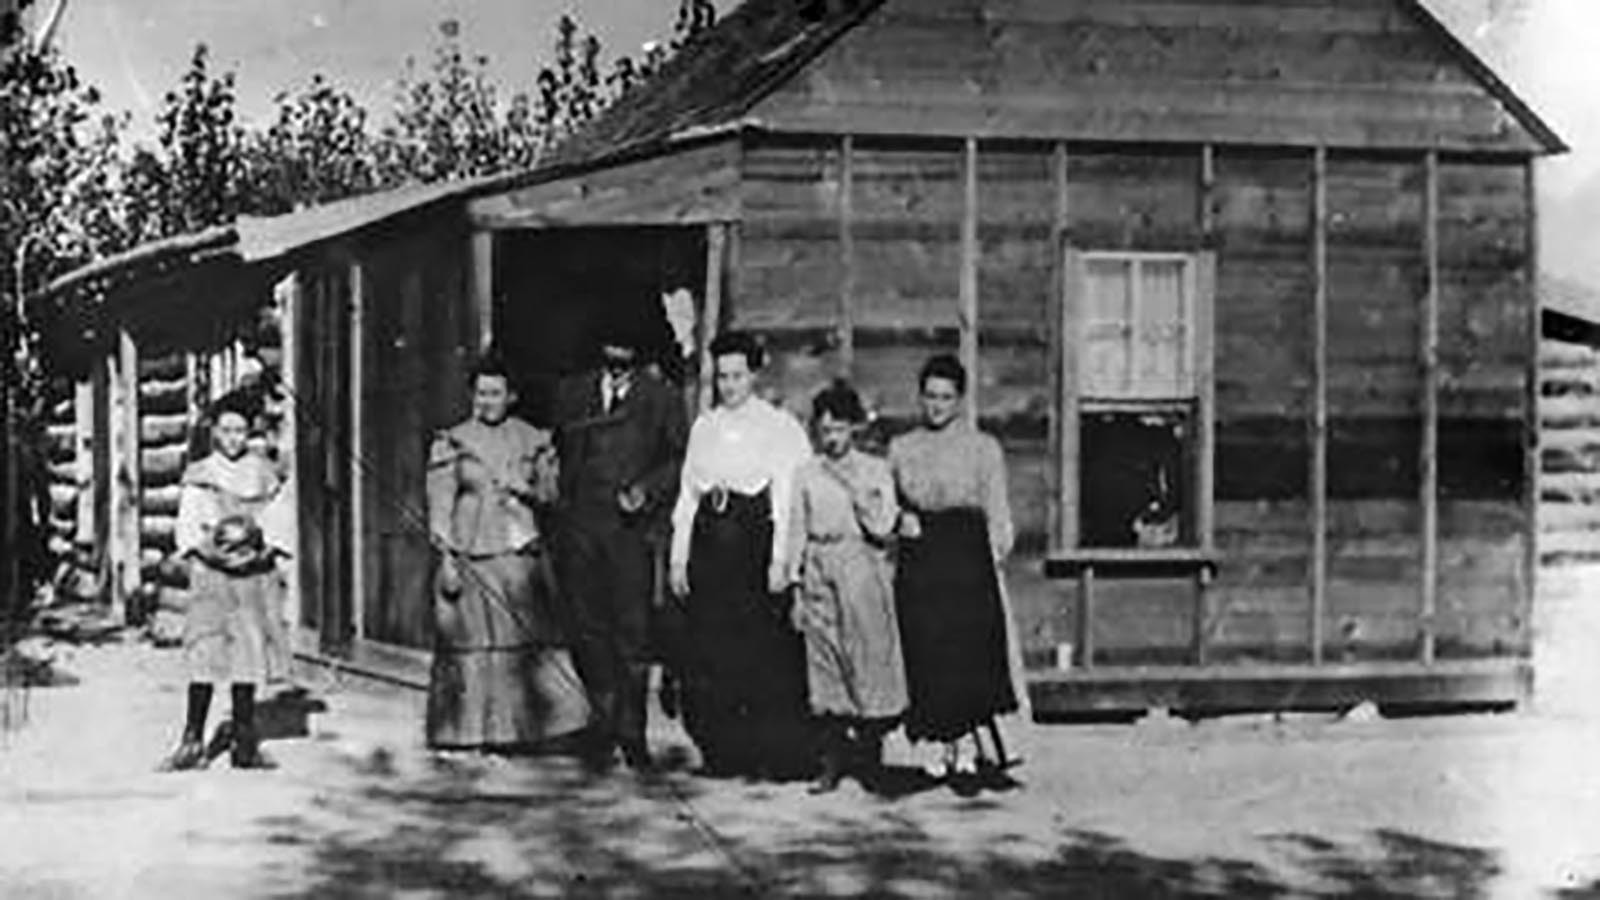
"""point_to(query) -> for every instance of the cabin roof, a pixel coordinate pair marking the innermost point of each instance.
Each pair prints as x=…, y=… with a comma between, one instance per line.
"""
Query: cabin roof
x=704, y=92
x=764, y=44
x=713, y=81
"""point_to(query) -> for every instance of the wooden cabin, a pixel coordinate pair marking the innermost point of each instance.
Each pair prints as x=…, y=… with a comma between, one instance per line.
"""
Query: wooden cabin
x=1569, y=358
x=1247, y=289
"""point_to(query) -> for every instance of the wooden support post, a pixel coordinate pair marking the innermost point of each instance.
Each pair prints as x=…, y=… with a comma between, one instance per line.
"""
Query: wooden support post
x=1319, y=400
x=1086, y=618
x=482, y=279
x=287, y=295
x=847, y=257
x=969, y=276
x=1063, y=409
x=83, y=414
x=1429, y=451
x=711, y=316
x=358, y=450
x=125, y=551
x=1203, y=290
x=1532, y=458
x=1202, y=615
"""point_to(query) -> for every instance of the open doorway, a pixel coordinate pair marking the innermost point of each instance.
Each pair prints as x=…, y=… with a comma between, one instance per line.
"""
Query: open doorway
x=556, y=290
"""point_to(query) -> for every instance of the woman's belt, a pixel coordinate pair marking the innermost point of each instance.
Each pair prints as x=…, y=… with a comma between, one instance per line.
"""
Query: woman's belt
x=830, y=539
x=721, y=499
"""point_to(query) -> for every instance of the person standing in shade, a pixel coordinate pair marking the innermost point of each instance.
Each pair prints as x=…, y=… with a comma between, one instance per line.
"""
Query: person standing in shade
x=955, y=529
x=501, y=678
x=843, y=513
x=745, y=689
x=620, y=432
x=231, y=530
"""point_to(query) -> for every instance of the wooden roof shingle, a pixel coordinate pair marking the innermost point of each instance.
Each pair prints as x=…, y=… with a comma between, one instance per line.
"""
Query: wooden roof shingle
x=717, y=77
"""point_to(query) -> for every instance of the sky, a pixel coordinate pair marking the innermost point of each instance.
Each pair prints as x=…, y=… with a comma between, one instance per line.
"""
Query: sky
x=135, y=50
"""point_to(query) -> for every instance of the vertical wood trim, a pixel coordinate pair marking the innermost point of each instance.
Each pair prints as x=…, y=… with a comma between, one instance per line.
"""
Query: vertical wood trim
x=1319, y=400
x=83, y=460
x=357, y=331
x=1063, y=407
x=287, y=295
x=125, y=486
x=711, y=316
x=1204, y=344
x=1071, y=431
x=847, y=256
x=1203, y=290
x=1532, y=454
x=1086, y=618
x=482, y=279
x=1204, y=293
x=969, y=275
x=1429, y=451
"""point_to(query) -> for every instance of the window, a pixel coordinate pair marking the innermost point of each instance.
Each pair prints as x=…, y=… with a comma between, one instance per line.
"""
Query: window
x=1139, y=401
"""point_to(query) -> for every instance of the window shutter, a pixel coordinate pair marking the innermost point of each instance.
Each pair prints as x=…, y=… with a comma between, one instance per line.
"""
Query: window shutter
x=1161, y=330
x=1107, y=328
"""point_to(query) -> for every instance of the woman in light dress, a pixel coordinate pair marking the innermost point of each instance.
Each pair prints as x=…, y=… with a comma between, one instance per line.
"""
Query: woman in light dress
x=843, y=513
x=502, y=677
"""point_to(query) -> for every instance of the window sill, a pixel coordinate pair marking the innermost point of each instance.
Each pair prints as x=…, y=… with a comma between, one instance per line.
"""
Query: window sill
x=1175, y=562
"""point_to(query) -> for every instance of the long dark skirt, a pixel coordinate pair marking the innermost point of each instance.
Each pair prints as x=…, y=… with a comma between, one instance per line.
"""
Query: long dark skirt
x=745, y=702
x=952, y=628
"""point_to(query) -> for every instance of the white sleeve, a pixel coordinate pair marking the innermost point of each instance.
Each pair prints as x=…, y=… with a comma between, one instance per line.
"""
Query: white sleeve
x=691, y=483
x=792, y=448
x=196, y=512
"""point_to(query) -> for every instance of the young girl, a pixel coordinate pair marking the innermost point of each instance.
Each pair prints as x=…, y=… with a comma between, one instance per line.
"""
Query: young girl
x=229, y=530
x=843, y=511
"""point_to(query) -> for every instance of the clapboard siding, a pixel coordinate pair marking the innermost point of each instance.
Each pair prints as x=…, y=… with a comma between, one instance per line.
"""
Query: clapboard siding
x=1361, y=74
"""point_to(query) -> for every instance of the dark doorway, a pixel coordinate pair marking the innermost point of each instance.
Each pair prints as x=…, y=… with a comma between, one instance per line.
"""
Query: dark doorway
x=556, y=290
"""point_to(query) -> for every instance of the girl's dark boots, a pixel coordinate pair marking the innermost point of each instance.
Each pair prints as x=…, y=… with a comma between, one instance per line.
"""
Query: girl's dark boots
x=246, y=748
x=191, y=750
x=835, y=740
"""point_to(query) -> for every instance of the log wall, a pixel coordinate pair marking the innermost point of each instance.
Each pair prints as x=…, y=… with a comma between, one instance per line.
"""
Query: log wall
x=1569, y=483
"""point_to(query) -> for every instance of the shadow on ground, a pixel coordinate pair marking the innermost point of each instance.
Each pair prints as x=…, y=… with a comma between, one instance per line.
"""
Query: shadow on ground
x=542, y=830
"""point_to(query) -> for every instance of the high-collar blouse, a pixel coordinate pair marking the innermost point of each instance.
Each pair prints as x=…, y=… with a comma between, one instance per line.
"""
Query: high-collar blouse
x=743, y=449
x=954, y=467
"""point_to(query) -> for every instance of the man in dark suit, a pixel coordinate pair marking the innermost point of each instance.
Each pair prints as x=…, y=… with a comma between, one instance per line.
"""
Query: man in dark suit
x=620, y=435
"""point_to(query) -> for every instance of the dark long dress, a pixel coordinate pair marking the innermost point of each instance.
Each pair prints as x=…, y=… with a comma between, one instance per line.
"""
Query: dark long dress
x=952, y=628
x=954, y=624
x=745, y=702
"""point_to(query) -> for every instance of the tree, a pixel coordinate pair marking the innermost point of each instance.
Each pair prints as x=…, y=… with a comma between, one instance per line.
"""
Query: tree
x=318, y=149
x=201, y=159
x=448, y=123
x=57, y=211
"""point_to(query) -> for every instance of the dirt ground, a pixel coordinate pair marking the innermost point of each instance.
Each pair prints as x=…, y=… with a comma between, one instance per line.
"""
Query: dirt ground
x=1451, y=807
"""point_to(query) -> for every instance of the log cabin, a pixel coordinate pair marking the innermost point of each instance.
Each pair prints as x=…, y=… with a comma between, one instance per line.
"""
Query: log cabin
x=1247, y=288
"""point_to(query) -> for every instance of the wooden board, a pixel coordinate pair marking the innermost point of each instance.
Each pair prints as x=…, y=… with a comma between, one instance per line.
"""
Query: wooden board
x=420, y=319
x=697, y=185
x=1358, y=75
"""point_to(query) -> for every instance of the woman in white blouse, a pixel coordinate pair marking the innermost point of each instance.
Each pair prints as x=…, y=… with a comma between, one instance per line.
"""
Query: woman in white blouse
x=745, y=703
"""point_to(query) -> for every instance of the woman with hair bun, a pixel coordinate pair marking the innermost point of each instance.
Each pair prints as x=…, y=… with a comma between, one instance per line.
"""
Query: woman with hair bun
x=745, y=689
x=843, y=513
x=955, y=529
